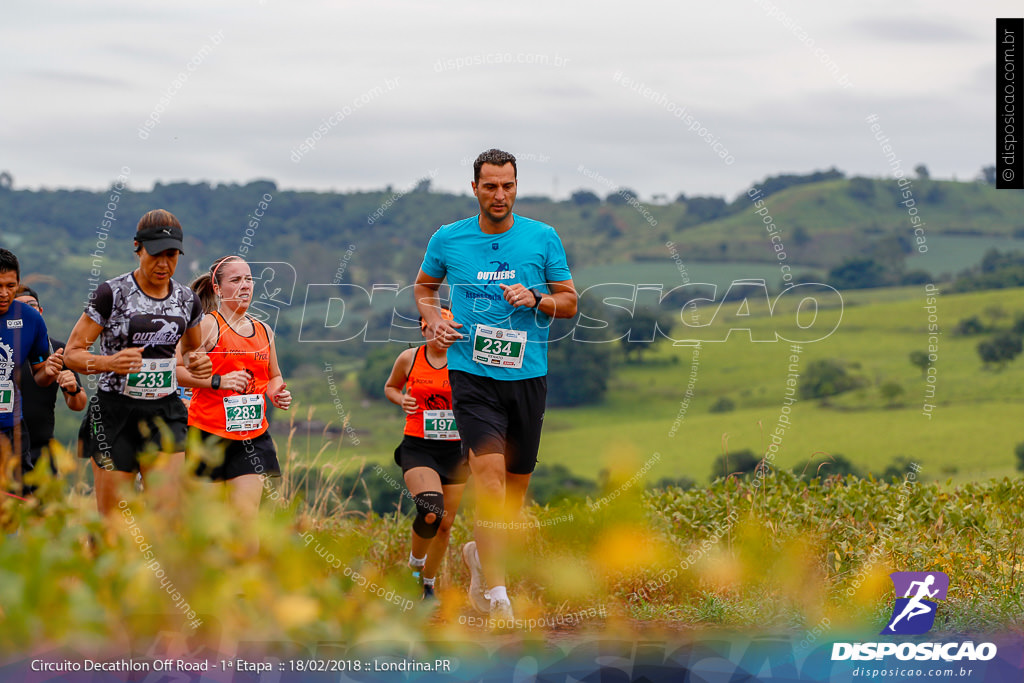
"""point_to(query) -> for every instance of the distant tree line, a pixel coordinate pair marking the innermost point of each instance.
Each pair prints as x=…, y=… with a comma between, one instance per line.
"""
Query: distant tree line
x=746, y=464
x=997, y=270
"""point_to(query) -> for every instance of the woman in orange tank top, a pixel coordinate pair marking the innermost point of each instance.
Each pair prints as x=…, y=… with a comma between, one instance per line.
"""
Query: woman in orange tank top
x=228, y=409
x=430, y=455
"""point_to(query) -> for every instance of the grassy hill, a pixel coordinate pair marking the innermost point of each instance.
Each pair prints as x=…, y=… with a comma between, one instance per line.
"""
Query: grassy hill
x=834, y=219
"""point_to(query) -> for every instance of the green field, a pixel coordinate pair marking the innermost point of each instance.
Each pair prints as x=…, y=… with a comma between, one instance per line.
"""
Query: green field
x=969, y=436
x=774, y=554
x=953, y=253
x=946, y=255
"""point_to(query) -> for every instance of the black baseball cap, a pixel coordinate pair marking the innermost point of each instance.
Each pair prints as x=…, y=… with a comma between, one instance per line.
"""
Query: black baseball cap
x=158, y=239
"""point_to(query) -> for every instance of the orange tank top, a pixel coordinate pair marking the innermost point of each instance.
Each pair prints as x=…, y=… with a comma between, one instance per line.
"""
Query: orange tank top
x=233, y=352
x=430, y=387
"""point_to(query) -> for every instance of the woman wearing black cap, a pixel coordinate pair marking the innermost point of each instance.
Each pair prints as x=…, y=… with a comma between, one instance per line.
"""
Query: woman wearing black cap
x=136, y=422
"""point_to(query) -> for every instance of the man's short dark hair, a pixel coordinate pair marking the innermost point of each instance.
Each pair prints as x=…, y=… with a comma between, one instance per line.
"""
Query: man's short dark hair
x=495, y=157
x=9, y=262
x=25, y=290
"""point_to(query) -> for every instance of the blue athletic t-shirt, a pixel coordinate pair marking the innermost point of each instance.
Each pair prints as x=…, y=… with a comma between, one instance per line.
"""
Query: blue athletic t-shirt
x=476, y=264
x=22, y=337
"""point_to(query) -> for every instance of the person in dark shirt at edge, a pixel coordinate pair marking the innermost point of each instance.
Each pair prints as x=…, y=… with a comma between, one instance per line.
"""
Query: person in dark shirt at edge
x=22, y=338
x=39, y=403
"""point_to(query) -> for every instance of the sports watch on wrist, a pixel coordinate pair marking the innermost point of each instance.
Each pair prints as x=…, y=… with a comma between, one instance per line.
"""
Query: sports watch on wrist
x=215, y=382
x=536, y=297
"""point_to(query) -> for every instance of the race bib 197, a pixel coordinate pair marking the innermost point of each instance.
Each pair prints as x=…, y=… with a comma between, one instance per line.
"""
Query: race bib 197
x=439, y=425
x=156, y=379
x=497, y=347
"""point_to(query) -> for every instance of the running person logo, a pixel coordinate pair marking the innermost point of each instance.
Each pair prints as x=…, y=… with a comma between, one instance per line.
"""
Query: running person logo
x=914, y=613
x=167, y=333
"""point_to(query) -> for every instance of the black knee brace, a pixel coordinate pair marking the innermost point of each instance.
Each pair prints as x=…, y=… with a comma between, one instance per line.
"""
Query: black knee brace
x=427, y=503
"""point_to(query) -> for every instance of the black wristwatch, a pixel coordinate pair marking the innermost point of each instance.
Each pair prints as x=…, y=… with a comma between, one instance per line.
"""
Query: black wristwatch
x=215, y=382
x=76, y=392
x=536, y=297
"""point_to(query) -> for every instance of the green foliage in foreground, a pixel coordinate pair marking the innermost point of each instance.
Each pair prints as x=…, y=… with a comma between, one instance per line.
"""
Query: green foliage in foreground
x=805, y=551
x=770, y=552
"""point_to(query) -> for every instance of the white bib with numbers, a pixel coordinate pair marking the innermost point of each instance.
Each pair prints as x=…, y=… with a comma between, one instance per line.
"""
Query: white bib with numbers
x=156, y=379
x=498, y=347
x=7, y=396
x=439, y=425
x=243, y=413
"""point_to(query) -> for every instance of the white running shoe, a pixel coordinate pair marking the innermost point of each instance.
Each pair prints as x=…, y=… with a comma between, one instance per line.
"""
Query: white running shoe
x=477, y=585
x=500, y=615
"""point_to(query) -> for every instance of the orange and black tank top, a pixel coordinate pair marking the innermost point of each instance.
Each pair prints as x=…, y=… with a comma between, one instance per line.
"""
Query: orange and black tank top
x=233, y=352
x=430, y=387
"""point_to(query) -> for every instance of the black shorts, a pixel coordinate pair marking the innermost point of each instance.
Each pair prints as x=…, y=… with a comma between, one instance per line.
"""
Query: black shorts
x=444, y=457
x=496, y=416
x=118, y=430
x=240, y=457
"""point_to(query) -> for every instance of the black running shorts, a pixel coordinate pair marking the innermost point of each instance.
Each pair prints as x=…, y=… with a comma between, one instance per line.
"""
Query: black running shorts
x=119, y=429
x=240, y=456
x=444, y=457
x=495, y=416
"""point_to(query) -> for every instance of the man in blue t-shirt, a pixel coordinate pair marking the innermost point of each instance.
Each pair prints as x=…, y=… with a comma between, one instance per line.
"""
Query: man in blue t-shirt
x=508, y=277
x=22, y=337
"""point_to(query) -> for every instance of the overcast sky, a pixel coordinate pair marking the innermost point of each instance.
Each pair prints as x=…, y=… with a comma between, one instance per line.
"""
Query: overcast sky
x=416, y=88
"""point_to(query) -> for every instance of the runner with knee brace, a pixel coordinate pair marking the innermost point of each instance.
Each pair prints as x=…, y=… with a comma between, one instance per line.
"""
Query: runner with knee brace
x=430, y=455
